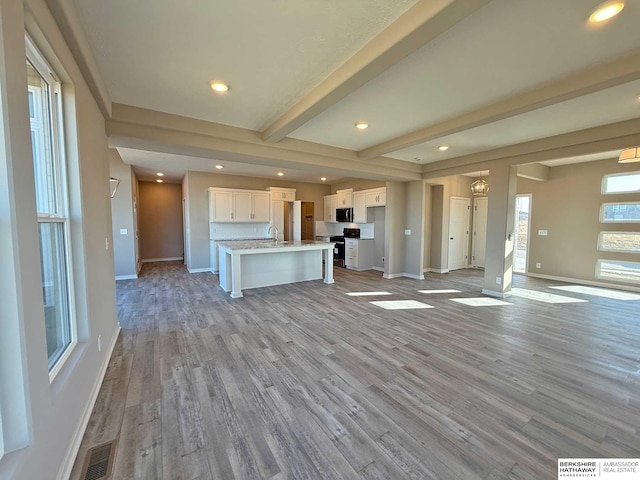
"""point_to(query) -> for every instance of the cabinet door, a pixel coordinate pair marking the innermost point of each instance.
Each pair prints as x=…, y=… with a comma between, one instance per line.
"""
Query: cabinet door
x=260, y=208
x=377, y=197
x=277, y=217
x=345, y=200
x=382, y=197
x=220, y=206
x=242, y=206
x=359, y=208
x=330, y=205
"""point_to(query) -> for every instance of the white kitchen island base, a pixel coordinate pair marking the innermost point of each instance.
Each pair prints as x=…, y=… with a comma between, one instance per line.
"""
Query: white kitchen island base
x=246, y=265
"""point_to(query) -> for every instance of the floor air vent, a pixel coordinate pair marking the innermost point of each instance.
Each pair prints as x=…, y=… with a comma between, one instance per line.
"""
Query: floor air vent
x=99, y=462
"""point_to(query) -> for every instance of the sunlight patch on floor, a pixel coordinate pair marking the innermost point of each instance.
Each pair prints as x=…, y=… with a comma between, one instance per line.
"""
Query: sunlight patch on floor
x=366, y=294
x=401, y=304
x=480, y=301
x=543, y=296
x=599, y=292
x=448, y=290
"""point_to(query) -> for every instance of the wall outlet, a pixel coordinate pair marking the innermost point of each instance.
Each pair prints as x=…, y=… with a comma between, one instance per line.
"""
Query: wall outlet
x=99, y=343
x=407, y=232
x=382, y=259
x=498, y=281
x=123, y=231
x=538, y=265
x=106, y=244
x=543, y=233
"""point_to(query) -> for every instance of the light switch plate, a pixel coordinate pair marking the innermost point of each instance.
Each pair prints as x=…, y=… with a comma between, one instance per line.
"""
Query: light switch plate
x=123, y=231
x=407, y=232
x=543, y=233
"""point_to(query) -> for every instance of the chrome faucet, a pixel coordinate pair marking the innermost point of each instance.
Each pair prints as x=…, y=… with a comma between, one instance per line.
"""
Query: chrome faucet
x=274, y=228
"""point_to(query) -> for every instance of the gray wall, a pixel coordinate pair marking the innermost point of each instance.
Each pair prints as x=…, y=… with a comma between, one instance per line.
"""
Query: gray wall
x=414, y=221
x=568, y=205
x=377, y=215
x=124, y=248
x=395, y=218
x=195, y=193
x=160, y=217
x=55, y=410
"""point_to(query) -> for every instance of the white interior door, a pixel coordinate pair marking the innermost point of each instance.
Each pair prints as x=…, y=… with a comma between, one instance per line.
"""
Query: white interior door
x=479, y=239
x=297, y=218
x=459, y=209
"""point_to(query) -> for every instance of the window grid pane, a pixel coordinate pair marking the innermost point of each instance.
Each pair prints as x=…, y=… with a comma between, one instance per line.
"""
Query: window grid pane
x=619, y=242
x=620, y=212
x=54, y=288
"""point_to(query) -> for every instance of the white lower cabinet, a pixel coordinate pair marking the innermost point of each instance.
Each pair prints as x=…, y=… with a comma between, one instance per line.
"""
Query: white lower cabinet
x=358, y=253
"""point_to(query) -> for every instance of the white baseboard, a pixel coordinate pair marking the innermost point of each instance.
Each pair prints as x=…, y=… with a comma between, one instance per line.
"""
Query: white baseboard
x=413, y=275
x=126, y=277
x=404, y=274
x=493, y=293
x=378, y=269
x=199, y=270
x=584, y=282
x=389, y=276
x=436, y=270
x=72, y=451
x=167, y=259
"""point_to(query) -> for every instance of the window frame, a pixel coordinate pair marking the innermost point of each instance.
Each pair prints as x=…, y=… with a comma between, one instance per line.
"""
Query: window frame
x=613, y=279
x=602, y=208
x=624, y=174
x=61, y=193
x=621, y=250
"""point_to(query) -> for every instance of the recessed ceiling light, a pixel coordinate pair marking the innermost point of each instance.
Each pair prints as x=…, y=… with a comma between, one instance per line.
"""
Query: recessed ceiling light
x=219, y=86
x=159, y=180
x=219, y=167
x=362, y=125
x=280, y=174
x=160, y=174
x=605, y=11
x=443, y=148
x=324, y=179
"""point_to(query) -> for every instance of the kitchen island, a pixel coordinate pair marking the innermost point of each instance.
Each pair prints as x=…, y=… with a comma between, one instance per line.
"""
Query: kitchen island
x=253, y=264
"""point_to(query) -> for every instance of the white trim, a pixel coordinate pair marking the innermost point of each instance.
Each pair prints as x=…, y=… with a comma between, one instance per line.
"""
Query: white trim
x=624, y=174
x=390, y=276
x=436, y=270
x=378, y=269
x=585, y=282
x=72, y=452
x=199, y=270
x=493, y=293
x=126, y=277
x=166, y=259
x=414, y=276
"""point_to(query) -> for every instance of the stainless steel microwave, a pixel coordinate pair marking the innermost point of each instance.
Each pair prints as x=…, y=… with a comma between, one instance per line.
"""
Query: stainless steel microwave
x=344, y=215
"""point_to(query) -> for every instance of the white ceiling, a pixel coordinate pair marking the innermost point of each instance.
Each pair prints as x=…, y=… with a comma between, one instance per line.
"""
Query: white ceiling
x=160, y=55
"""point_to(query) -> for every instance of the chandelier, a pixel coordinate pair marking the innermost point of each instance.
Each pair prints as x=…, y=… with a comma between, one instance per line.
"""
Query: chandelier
x=630, y=155
x=480, y=187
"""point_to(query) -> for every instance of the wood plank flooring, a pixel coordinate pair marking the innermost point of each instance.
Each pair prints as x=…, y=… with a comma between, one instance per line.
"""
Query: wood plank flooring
x=304, y=382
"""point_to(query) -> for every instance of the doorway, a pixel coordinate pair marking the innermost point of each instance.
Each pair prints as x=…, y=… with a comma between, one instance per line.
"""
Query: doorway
x=479, y=240
x=521, y=240
x=307, y=224
x=459, y=209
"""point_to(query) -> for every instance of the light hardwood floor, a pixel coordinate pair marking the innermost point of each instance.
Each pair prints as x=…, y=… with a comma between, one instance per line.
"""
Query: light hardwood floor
x=304, y=382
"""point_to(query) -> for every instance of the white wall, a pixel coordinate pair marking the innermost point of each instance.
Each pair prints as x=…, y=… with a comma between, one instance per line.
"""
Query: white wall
x=55, y=411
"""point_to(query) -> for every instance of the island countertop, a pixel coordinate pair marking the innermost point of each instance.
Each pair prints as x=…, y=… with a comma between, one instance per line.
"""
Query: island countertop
x=234, y=245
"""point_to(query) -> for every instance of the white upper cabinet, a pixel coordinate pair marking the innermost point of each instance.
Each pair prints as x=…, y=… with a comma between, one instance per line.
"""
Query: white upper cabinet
x=345, y=198
x=376, y=197
x=285, y=194
x=330, y=205
x=229, y=205
x=360, y=207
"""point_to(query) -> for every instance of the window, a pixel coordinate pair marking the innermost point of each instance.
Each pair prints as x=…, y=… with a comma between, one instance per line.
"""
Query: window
x=45, y=112
x=628, y=212
x=618, y=271
x=619, y=242
x=621, y=183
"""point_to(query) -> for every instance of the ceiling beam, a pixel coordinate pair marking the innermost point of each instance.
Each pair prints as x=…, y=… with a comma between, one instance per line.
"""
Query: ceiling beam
x=423, y=22
x=604, y=138
x=617, y=72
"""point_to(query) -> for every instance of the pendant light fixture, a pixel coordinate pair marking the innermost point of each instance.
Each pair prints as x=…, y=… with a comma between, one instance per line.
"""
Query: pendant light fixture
x=479, y=187
x=630, y=155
